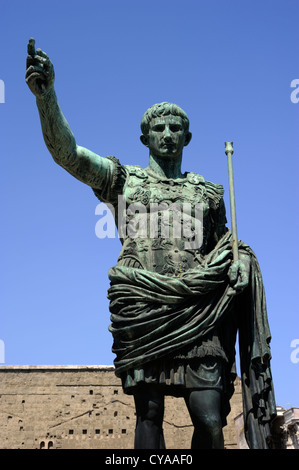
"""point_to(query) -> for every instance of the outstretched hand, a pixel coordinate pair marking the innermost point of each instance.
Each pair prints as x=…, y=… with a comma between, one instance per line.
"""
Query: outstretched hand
x=40, y=71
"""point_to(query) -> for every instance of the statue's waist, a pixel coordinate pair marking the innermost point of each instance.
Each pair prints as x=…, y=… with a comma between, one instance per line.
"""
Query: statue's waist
x=164, y=256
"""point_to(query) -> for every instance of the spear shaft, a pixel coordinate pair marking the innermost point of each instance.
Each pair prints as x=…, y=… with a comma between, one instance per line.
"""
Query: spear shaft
x=229, y=152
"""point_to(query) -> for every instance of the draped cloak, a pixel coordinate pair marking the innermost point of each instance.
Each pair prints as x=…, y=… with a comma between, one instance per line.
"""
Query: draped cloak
x=153, y=317
x=156, y=314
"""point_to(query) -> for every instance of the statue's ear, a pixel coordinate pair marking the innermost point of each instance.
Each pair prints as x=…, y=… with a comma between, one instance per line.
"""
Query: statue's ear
x=144, y=139
x=188, y=137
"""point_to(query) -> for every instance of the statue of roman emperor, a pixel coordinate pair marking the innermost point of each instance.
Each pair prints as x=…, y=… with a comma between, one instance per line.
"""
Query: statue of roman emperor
x=176, y=307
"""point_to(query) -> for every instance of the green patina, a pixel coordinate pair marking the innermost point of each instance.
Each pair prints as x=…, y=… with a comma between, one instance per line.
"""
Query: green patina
x=171, y=306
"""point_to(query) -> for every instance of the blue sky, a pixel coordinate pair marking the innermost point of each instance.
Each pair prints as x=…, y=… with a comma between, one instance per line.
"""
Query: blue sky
x=229, y=64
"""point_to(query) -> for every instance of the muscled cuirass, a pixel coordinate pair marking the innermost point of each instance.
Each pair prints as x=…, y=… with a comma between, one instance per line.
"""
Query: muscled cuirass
x=166, y=225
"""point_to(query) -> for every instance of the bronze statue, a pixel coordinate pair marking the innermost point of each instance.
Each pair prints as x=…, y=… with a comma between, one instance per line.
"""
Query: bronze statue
x=175, y=307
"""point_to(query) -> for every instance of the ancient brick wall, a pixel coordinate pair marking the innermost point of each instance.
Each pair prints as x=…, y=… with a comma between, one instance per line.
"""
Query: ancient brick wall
x=83, y=407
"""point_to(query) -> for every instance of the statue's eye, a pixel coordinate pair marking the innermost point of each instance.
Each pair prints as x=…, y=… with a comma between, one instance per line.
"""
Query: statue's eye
x=175, y=127
x=159, y=128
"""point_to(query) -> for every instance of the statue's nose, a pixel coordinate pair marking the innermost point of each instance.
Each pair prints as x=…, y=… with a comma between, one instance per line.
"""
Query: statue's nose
x=167, y=134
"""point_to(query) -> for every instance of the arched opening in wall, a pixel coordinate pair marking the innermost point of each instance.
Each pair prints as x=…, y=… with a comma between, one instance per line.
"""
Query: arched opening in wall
x=42, y=445
x=50, y=444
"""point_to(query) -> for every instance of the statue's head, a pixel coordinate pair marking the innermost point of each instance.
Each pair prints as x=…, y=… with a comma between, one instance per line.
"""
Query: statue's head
x=163, y=109
x=165, y=123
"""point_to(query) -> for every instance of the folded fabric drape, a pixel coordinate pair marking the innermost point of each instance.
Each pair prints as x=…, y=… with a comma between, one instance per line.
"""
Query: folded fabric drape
x=154, y=316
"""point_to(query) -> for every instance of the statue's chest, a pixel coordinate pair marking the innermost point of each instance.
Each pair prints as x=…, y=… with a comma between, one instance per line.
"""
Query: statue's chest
x=147, y=191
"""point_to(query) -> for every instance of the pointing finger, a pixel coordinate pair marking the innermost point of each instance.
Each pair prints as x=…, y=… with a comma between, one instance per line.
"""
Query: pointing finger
x=31, y=47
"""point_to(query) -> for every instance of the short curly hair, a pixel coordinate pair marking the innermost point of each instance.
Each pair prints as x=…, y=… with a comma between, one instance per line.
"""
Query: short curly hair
x=163, y=109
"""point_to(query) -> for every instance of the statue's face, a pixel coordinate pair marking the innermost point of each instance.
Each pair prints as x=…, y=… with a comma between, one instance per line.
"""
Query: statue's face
x=167, y=136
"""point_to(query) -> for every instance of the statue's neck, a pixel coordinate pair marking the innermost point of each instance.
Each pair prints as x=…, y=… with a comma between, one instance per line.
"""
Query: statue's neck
x=166, y=167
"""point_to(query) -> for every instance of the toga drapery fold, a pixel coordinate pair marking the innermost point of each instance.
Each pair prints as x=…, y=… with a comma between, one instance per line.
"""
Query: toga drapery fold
x=154, y=316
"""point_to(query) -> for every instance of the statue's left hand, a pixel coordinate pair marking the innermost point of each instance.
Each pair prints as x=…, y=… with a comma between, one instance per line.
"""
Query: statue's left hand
x=238, y=274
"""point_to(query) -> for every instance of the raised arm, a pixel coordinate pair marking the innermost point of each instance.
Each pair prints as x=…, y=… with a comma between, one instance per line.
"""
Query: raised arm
x=83, y=164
